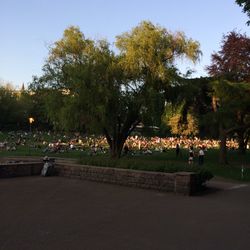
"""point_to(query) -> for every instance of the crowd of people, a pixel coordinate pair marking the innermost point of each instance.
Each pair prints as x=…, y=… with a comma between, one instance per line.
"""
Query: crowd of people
x=55, y=142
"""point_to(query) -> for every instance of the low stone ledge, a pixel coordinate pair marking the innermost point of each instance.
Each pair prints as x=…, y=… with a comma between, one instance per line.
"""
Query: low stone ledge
x=18, y=169
x=180, y=182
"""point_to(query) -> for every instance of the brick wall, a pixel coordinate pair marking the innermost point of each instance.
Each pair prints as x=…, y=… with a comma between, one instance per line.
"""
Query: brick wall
x=20, y=169
x=181, y=182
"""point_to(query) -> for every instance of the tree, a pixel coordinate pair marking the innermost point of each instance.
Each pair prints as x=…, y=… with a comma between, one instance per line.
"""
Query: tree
x=149, y=53
x=232, y=112
x=9, y=108
x=232, y=62
x=188, y=103
x=108, y=93
x=246, y=7
x=16, y=106
x=180, y=121
x=34, y=101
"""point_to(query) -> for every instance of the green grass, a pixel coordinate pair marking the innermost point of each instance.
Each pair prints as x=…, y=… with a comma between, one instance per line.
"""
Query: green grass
x=27, y=151
x=163, y=162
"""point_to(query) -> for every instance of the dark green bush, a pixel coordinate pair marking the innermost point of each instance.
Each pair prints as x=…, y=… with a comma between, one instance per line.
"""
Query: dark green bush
x=148, y=165
x=203, y=176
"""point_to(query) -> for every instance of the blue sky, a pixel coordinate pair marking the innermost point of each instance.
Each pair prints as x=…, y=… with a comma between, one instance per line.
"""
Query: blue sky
x=28, y=27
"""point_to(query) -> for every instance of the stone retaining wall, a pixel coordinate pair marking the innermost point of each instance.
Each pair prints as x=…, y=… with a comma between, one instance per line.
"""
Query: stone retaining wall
x=17, y=169
x=181, y=182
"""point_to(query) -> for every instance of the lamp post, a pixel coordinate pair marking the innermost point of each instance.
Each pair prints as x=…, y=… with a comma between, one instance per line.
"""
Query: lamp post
x=31, y=120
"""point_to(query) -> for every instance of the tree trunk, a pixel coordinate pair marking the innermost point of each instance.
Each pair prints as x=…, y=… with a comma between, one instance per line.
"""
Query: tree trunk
x=116, y=143
x=223, y=146
x=116, y=148
x=119, y=135
x=241, y=141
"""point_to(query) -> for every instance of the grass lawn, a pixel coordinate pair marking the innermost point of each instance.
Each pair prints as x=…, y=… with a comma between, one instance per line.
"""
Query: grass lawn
x=164, y=162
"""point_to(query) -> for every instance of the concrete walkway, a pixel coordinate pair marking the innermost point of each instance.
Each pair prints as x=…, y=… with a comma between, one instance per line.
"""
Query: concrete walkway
x=221, y=183
x=60, y=213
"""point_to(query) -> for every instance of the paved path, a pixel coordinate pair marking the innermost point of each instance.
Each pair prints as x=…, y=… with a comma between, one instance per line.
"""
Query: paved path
x=60, y=213
x=219, y=183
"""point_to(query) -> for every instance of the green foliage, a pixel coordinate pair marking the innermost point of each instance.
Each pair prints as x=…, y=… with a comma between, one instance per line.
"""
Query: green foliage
x=152, y=50
x=233, y=102
x=145, y=163
x=231, y=113
x=180, y=121
x=90, y=87
x=203, y=176
x=8, y=106
x=15, y=108
x=188, y=103
x=231, y=99
x=246, y=7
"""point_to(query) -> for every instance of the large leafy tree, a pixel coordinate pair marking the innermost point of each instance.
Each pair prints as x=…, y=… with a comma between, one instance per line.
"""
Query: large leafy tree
x=232, y=112
x=245, y=4
x=149, y=53
x=188, y=102
x=180, y=119
x=34, y=105
x=8, y=108
x=232, y=62
x=112, y=93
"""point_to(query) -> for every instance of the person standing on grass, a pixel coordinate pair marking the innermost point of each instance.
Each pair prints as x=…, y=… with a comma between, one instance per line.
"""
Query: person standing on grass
x=201, y=156
x=191, y=156
x=125, y=149
x=177, y=150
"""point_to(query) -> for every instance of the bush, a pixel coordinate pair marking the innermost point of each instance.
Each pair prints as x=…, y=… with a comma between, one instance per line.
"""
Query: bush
x=145, y=164
x=203, y=176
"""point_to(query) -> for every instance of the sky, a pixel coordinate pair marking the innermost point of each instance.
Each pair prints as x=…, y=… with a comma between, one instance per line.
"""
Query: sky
x=29, y=27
